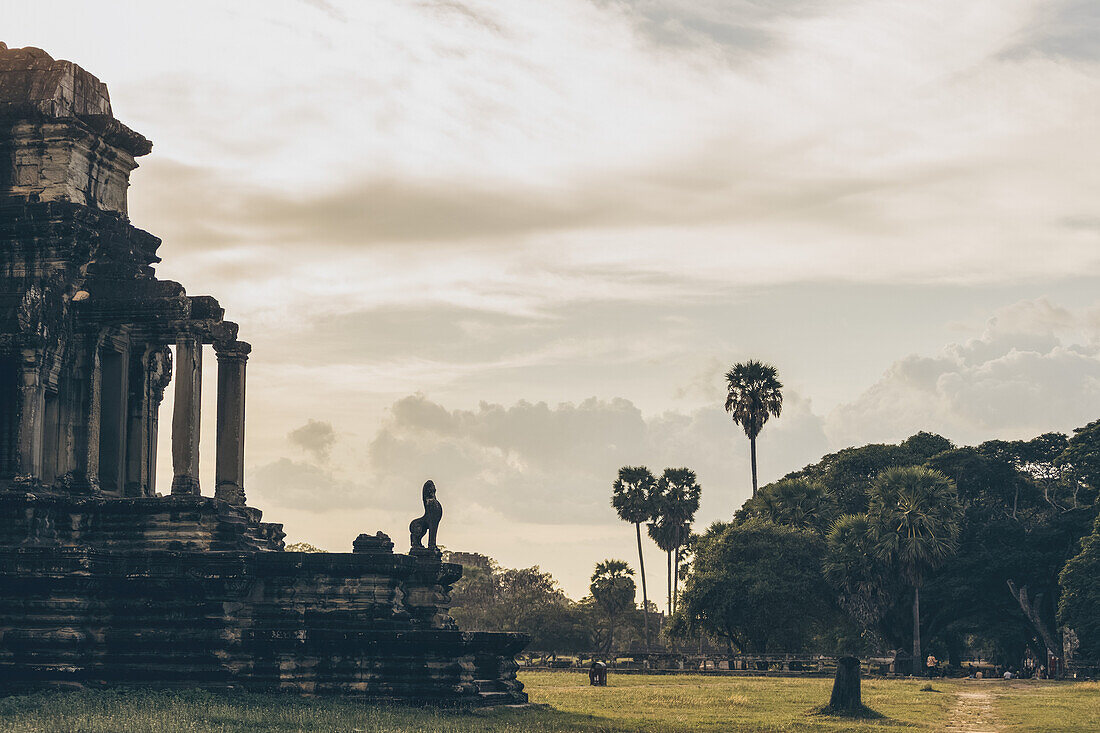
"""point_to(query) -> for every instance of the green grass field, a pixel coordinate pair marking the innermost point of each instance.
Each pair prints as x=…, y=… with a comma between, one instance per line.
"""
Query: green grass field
x=565, y=702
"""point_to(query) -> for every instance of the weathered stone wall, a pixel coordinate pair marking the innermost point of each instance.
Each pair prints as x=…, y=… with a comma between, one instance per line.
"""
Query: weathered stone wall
x=64, y=161
x=311, y=623
x=31, y=79
x=169, y=523
x=62, y=142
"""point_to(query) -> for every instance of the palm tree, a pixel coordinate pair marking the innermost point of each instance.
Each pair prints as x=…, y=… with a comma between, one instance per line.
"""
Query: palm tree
x=862, y=579
x=676, y=499
x=633, y=498
x=914, y=514
x=795, y=502
x=680, y=492
x=613, y=590
x=754, y=393
x=668, y=534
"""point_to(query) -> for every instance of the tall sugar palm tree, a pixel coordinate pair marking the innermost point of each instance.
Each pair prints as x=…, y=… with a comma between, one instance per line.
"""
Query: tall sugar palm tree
x=680, y=492
x=754, y=393
x=633, y=497
x=914, y=514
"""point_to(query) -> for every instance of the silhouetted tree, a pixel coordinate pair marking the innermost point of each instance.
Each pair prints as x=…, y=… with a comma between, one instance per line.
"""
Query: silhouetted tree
x=754, y=393
x=633, y=497
x=679, y=493
x=675, y=501
x=613, y=590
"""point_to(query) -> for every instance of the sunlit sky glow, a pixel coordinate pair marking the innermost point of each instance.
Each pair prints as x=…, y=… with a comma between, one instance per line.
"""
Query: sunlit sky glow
x=512, y=246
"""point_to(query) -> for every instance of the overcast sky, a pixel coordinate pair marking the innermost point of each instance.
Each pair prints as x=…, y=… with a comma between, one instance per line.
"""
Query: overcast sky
x=512, y=246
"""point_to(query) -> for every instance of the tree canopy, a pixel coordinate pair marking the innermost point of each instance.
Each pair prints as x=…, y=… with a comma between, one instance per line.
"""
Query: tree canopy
x=757, y=585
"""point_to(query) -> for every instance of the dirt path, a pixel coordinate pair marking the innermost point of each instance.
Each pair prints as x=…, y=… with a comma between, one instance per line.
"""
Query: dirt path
x=973, y=713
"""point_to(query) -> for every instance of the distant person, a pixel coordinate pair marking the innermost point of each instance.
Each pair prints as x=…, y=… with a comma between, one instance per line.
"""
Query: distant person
x=931, y=663
x=1008, y=674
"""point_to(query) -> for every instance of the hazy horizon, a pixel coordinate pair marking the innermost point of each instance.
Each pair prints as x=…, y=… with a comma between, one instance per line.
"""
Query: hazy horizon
x=514, y=246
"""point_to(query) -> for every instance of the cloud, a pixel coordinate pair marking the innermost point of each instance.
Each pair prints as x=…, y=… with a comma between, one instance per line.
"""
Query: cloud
x=537, y=463
x=1066, y=28
x=328, y=9
x=737, y=26
x=560, y=138
x=305, y=486
x=315, y=438
x=1018, y=379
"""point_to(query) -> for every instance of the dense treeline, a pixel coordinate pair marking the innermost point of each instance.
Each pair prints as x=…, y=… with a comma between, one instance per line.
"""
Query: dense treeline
x=817, y=559
x=995, y=548
x=491, y=598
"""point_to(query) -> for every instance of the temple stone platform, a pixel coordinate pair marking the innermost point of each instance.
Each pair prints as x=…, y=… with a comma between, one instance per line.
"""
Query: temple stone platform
x=366, y=625
x=106, y=580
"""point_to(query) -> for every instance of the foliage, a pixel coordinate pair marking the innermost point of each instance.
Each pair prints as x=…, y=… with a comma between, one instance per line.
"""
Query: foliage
x=669, y=535
x=633, y=494
x=914, y=516
x=753, y=393
x=491, y=598
x=849, y=474
x=613, y=590
x=1022, y=521
x=612, y=586
x=865, y=587
x=756, y=584
x=1079, y=607
x=1081, y=457
x=793, y=502
x=634, y=497
x=923, y=446
x=676, y=500
x=302, y=547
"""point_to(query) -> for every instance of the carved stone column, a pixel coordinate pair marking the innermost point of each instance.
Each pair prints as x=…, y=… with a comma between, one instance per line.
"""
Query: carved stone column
x=229, y=472
x=29, y=428
x=157, y=376
x=151, y=370
x=185, y=416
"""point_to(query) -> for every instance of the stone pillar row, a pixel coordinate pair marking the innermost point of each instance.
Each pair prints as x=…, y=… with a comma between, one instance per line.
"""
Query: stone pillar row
x=229, y=459
x=157, y=363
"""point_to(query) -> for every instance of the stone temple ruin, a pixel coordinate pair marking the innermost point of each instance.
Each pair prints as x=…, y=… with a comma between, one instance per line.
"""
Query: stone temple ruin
x=103, y=580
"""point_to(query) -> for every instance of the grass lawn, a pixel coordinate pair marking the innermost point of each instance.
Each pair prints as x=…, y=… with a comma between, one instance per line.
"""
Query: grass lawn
x=1044, y=707
x=565, y=702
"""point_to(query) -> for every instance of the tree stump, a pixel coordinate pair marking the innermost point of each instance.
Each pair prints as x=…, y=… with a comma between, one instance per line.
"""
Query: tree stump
x=846, y=693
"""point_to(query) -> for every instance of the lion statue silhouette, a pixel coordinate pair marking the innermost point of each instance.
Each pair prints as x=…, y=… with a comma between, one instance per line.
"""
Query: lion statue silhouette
x=429, y=523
